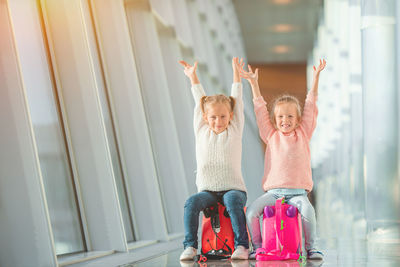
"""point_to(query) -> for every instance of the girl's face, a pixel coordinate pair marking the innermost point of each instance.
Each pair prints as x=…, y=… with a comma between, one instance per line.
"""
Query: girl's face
x=286, y=117
x=218, y=117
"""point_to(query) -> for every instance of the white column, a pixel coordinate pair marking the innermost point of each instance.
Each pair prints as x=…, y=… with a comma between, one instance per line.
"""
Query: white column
x=357, y=175
x=397, y=199
x=182, y=102
x=182, y=22
x=25, y=232
x=380, y=118
x=159, y=112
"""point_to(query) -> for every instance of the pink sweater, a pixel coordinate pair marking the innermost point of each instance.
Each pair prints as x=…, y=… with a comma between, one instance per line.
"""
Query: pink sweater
x=287, y=157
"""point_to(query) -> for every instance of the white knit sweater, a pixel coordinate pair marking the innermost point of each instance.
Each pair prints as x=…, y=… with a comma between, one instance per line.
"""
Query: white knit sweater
x=219, y=156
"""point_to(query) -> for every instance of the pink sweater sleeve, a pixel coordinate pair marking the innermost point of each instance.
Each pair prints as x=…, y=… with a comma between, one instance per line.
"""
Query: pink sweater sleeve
x=310, y=112
x=262, y=116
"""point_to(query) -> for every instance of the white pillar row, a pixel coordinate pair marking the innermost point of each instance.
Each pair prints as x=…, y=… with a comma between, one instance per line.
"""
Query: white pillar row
x=339, y=134
x=356, y=176
x=323, y=136
x=200, y=50
x=397, y=199
x=159, y=111
x=25, y=232
x=380, y=118
x=330, y=143
x=163, y=10
x=344, y=143
x=182, y=23
x=130, y=120
x=199, y=47
x=211, y=56
x=181, y=100
x=79, y=82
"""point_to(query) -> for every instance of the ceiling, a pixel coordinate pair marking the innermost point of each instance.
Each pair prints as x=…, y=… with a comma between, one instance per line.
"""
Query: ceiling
x=278, y=31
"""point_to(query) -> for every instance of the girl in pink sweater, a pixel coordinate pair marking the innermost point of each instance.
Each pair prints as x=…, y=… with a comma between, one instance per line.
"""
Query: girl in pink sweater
x=287, y=170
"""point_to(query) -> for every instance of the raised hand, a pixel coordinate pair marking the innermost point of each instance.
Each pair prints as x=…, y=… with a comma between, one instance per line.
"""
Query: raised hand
x=316, y=72
x=190, y=71
x=321, y=66
x=236, y=66
x=249, y=75
x=252, y=78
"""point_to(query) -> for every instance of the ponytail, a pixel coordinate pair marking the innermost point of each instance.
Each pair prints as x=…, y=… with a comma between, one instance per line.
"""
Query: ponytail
x=203, y=100
x=232, y=102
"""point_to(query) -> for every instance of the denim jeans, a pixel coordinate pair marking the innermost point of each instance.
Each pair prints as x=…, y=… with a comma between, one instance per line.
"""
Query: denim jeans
x=233, y=200
x=295, y=197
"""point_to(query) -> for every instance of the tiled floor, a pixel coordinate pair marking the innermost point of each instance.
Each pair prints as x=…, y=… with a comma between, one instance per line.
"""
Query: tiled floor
x=338, y=252
x=342, y=240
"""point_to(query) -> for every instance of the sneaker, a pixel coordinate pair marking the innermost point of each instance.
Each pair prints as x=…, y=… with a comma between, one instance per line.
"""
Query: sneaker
x=187, y=263
x=314, y=254
x=240, y=263
x=188, y=254
x=240, y=253
x=252, y=255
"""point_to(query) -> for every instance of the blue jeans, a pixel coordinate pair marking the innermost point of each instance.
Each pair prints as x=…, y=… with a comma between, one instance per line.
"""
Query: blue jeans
x=295, y=197
x=233, y=200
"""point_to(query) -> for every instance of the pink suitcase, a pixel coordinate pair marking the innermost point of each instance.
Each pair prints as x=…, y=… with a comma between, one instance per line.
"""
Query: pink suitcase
x=282, y=233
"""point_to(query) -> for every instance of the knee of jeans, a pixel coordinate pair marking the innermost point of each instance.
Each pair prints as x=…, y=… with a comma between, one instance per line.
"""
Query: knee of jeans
x=308, y=213
x=251, y=214
x=190, y=203
x=234, y=205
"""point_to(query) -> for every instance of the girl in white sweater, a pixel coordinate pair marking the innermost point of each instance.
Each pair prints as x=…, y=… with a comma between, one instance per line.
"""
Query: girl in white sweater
x=218, y=127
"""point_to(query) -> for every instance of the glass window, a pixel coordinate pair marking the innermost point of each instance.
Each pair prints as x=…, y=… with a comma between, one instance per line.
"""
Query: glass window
x=56, y=171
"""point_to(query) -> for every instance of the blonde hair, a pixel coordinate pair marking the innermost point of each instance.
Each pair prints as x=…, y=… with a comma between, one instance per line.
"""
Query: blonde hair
x=285, y=99
x=217, y=99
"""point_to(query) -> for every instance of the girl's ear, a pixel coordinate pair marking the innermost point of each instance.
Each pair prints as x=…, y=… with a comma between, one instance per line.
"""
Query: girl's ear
x=205, y=117
x=231, y=116
x=298, y=121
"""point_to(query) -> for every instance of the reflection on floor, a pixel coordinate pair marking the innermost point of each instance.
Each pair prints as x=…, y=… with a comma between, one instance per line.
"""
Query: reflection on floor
x=342, y=240
x=338, y=252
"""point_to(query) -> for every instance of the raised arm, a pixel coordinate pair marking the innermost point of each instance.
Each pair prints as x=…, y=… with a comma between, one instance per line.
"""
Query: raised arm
x=236, y=66
x=265, y=126
x=252, y=78
x=316, y=72
x=310, y=112
x=197, y=91
x=190, y=72
x=237, y=93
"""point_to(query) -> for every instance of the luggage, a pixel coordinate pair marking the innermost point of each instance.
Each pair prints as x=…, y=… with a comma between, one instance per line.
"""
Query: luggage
x=281, y=234
x=217, y=238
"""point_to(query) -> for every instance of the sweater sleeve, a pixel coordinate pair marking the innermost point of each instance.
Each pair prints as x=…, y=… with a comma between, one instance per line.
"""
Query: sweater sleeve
x=198, y=93
x=265, y=126
x=310, y=112
x=238, y=113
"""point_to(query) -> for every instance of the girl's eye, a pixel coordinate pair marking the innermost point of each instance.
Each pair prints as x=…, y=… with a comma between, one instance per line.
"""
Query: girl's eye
x=290, y=116
x=222, y=116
